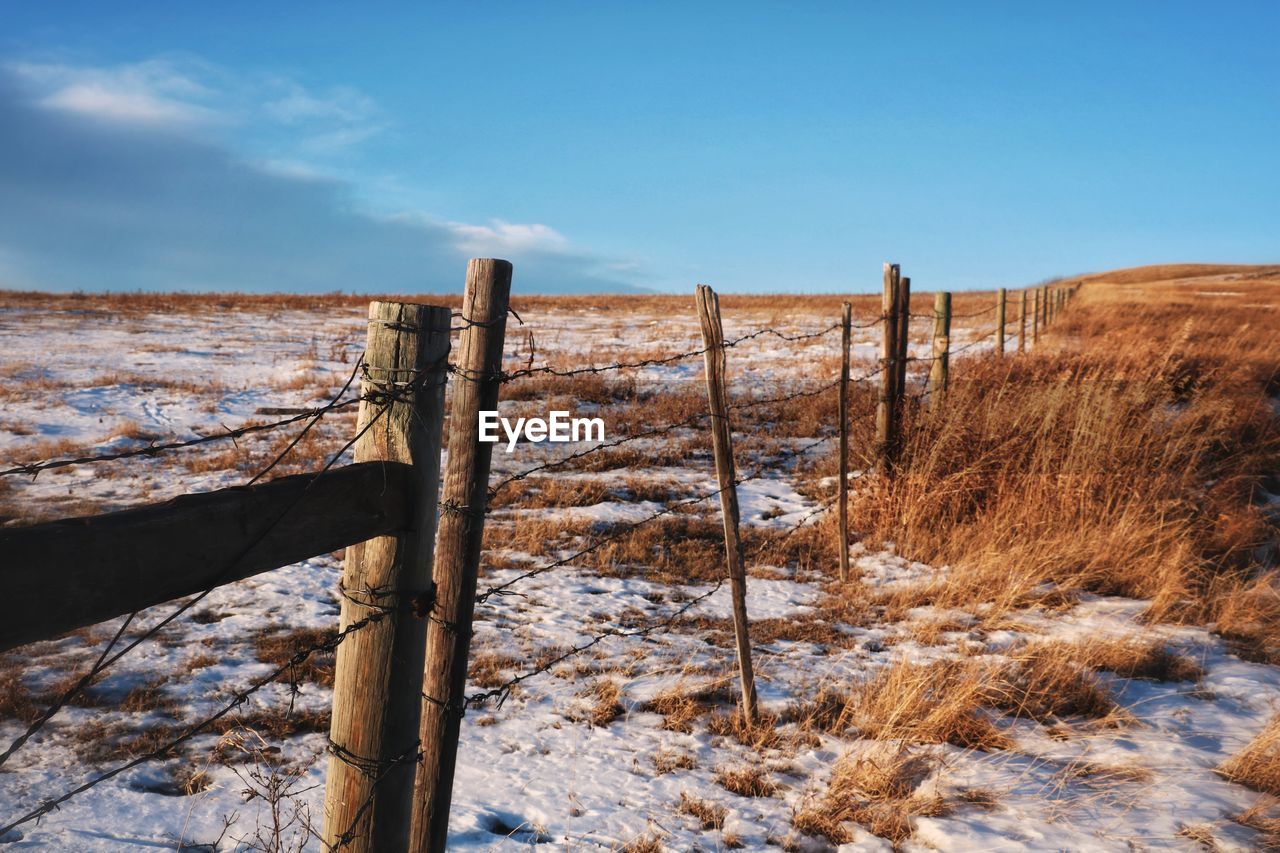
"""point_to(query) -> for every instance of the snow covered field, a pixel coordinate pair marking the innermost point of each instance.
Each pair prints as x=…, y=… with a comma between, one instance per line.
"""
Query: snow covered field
x=598, y=753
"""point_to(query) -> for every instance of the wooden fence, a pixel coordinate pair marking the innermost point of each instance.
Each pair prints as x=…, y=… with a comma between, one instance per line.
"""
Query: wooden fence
x=409, y=584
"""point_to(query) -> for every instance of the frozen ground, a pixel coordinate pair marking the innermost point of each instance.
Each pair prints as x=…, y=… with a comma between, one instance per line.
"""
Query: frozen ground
x=545, y=767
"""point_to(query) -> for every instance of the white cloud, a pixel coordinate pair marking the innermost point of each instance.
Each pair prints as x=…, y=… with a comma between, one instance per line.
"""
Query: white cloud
x=155, y=92
x=183, y=91
x=499, y=236
x=340, y=103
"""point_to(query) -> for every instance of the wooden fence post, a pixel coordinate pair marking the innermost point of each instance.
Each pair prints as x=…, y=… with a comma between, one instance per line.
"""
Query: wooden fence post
x=378, y=677
x=940, y=370
x=443, y=682
x=846, y=326
x=886, y=411
x=903, y=340
x=722, y=443
x=1000, y=320
x=1035, y=316
x=1044, y=307
x=1022, y=321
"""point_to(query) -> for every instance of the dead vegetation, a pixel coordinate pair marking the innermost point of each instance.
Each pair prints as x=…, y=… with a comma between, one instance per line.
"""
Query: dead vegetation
x=746, y=781
x=880, y=789
x=1258, y=764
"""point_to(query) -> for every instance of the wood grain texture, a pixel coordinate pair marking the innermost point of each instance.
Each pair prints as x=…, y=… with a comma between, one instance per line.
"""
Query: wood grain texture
x=886, y=410
x=74, y=572
x=458, y=544
x=1001, y=304
x=1035, y=316
x=726, y=476
x=846, y=330
x=940, y=369
x=374, y=730
x=1022, y=321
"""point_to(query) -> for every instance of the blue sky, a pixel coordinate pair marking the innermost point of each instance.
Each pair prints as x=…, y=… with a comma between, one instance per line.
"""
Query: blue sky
x=610, y=146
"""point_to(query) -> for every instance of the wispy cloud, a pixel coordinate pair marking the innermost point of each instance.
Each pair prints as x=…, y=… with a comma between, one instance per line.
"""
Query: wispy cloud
x=101, y=193
x=154, y=92
x=499, y=236
x=188, y=93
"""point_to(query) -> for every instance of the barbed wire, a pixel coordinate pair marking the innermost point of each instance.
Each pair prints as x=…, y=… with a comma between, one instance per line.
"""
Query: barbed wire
x=33, y=468
x=623, y=530
x=386, y=397
x=503, y=691
x=654, y=362
x=105, y=662
x=239, y=698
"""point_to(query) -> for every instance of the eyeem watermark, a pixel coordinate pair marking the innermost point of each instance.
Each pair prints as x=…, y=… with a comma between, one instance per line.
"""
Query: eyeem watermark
x=560, y=426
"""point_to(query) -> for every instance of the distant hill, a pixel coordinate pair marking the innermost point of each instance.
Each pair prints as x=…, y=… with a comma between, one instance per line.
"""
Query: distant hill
x=1174, y=272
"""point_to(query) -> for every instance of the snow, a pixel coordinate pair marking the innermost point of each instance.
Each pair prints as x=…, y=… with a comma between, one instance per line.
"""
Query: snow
x=534, y=770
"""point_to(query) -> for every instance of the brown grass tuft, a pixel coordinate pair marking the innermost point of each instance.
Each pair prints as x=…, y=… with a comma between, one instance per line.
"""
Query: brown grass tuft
x=746, y=781
x=878, y=788
x=710, y=815
x=1258, y=764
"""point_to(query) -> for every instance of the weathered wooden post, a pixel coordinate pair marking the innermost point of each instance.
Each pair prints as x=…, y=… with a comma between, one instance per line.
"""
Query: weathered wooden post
x=1000, y=320
x=1022, y=321
x=722, y=444
x=377, y=682
x=903, y=341
x=846, y=326
x=457, y=557
x=1044, y=306
x=1035, y=316
x=940, y=371
x=886, y=410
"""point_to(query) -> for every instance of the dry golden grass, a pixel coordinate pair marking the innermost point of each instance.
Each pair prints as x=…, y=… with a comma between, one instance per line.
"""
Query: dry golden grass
x=1124, y=456
x=279, y=647
x=670, y=760
x=490, y=669
x=1043, y=682
x=877, y=788
x=708, y=814
x=607, y=698
x=647, y=843
x=1258, y=764
x=921, y=703
x=746, y=781
x=682, y=704
x=16, y=702
x=1129, y=657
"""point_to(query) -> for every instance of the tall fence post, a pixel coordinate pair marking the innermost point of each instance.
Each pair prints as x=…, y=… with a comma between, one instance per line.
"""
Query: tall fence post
x=443, y=681
x=886, y=410
x=903, y=340
x=1000, y=320
x=1022, y=321
x=376, y=695
x=846, y=327
x=722, y=443
x=1035, y=316
x=940, y=371
x=1044, y=307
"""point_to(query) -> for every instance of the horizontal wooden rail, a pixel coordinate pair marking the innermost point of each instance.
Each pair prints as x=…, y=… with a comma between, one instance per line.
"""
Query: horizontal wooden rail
x=74, y=572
